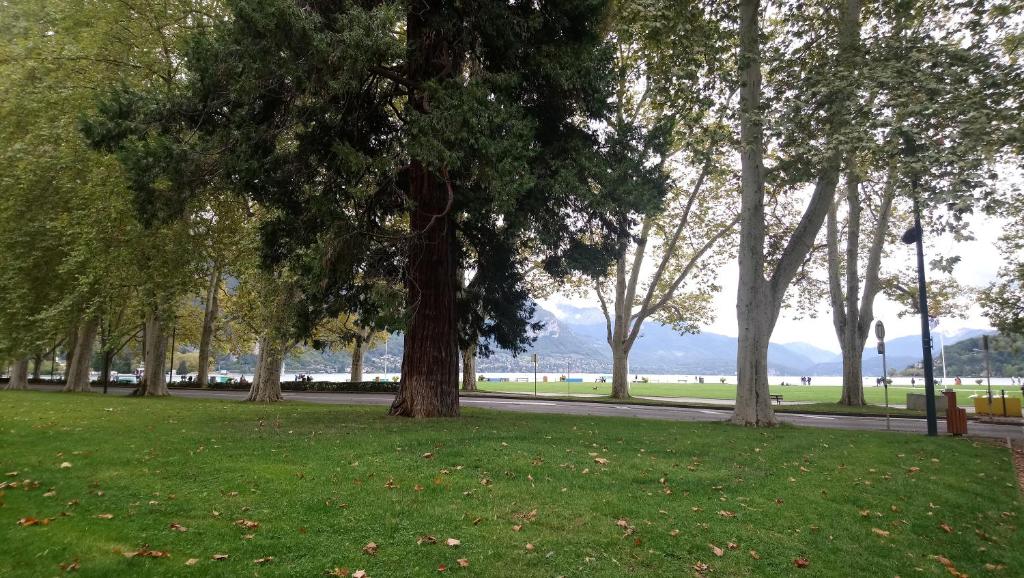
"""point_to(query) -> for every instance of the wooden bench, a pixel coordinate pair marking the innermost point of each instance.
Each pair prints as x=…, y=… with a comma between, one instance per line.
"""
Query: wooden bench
x=777, y=398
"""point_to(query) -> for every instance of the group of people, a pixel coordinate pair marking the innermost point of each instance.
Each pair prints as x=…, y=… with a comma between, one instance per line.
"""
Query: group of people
x=805, y=380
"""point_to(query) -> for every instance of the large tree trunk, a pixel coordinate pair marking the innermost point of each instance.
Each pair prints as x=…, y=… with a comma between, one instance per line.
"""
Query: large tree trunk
x=78, y=370
x=19, y=375
x=37, y=366
x=266, y=383
x=154, y=382
x=430, y=361
x=620, y=372
x=853, y=376
x=358, y=353
x=212, y=290
x=754, y=298
x=469, y=368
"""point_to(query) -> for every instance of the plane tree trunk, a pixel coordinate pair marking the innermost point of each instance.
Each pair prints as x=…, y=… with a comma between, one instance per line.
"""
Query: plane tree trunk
x=266, y=383
x=469, y=368
x=37, y=366
x=79, y=366
x=759, y=298
x=358, y=355
x=154, y=382
x=19, y=375
x=209, y=318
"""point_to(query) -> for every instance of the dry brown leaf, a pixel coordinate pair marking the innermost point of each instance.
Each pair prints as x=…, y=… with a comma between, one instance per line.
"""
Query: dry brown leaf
x=726, y=514
x=622, y=523
x=65, y=465
x=339, y=572
x=732, y=545
x=104, y=516
x=441, y=568
x=69, y=566
x=390, y=484
x=946, y=528
x=880, y=532
x=865, y=513
x=178, y=527
x=219, y=557
x=517, y=527
x=485, y=481
x=913, y=470
x=529, y=547
x=263, y=560
x=700, y=566
x=801, y=563
x=674, y=533
x=601, y=461
x=716, y=550
x=359, y=574
x=417, y=488
x=370, y=549
x=191, y=561
x=452, y=542
x=989, y=567
x=427, y=456
x=426, y=540
x=463, y=563
x=755, y=555
x=247, y=524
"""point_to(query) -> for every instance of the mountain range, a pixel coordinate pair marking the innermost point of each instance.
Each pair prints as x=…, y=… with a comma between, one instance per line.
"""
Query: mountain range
x=574, y=341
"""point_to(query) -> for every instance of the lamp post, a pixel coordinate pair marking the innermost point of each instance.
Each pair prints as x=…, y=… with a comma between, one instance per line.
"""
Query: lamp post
x=915, y=236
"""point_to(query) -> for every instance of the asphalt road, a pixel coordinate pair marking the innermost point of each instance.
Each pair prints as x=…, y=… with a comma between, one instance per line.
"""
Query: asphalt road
x=549, y=406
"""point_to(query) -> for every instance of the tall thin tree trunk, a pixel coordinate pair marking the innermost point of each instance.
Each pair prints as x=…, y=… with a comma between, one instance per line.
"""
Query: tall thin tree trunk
x=37, y=366
x=154, y=381
x=430, y=361
x=210, y=316
x=358, y=353
x=469, y=368
x=19, y=375
x=266, y=384
x=69, y=357
x=78, y=370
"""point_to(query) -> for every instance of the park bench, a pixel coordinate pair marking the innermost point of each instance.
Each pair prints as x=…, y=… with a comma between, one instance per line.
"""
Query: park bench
x=777, y=398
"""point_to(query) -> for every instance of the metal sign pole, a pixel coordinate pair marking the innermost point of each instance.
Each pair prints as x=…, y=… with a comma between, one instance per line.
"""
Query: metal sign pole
x=534, y=375
x=880, y=333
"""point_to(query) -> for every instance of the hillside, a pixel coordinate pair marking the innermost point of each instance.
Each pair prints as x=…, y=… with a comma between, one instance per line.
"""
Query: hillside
x=967, y=358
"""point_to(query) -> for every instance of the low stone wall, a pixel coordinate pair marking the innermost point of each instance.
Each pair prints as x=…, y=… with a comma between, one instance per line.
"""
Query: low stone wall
x=916, y=401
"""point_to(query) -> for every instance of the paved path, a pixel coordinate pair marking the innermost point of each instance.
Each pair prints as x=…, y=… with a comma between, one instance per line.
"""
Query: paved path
x=613, y=410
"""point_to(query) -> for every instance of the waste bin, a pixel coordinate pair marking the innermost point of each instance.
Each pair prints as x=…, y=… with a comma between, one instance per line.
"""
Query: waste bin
x=956, y=417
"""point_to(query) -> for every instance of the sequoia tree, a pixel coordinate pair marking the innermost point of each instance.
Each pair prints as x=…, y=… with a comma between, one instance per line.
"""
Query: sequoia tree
x=390, y=142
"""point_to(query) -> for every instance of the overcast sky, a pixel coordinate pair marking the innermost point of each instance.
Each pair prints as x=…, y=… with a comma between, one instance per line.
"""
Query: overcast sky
x=980, y=263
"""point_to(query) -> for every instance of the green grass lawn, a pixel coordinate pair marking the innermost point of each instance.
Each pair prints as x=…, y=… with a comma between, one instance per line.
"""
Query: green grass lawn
x=324, y=481
x=815, y=393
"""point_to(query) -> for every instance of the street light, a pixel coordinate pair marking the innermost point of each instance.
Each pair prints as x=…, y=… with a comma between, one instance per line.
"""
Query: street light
x=915, y=236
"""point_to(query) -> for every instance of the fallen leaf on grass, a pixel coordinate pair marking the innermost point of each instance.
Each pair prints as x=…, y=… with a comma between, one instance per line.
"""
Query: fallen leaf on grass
x=880, y=532
x=732, y=545
x=463, y=563
x=994, y=567
x=390, y=484
x=601, y=461
x=674, y=533
x=755, y=555
x=247, y=524
x=427, y=456
x=946, y=528
x=69, y=566
x=726, y=514
x=248, y=537
x=452, y=542
x=191, y=561
x=50, y=494
x=417, y=488
x=529, y=547
x=517, y=527
x=30, y=521
x=913, y=470
x=716, y=550
x=426, y=540
x=104, y=516
x=622, y=523
x=65, y=465
x=700, y=567
x=145, y=552
x=485, y=481
x=263, y=560
x=801, y=563
x=370, y=549
x=219, y=557
x=441, y=567
x=178, y=527
x=339, y=572
x=359, y=574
